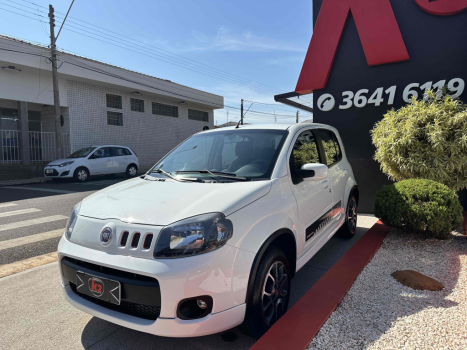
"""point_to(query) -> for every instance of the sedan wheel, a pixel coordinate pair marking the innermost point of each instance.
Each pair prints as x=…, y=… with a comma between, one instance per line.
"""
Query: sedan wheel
x=131, y=171
x=81, y=175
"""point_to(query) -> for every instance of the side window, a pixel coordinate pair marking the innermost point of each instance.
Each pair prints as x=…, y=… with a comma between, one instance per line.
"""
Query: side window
x=331, y=147
x=118, y=152
x=102, y=153
x=98, y=154
x=126, y=152
x=305, y=150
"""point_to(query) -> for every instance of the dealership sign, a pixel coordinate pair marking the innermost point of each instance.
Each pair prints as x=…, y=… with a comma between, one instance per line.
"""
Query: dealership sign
x=368, y=56
x=377, y=27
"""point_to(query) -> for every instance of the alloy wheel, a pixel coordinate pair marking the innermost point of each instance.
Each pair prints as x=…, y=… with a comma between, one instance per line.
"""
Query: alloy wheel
x=132, y=171
x=82, y=175
x=352, y=215
x=275, y=293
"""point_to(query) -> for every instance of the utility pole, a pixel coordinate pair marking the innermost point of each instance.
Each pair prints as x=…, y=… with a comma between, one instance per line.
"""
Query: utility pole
x=297, y=116
x=241, y=113
x=53, y=51
x=227, y=116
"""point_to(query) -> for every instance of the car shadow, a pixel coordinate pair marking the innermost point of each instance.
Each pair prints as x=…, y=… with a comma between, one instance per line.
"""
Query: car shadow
x=100, y=334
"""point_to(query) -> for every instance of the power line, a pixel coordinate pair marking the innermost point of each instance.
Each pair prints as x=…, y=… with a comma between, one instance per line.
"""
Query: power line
x=223, y=73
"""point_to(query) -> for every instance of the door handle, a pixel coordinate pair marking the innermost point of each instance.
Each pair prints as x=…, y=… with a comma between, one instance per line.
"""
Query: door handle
x=325, y=184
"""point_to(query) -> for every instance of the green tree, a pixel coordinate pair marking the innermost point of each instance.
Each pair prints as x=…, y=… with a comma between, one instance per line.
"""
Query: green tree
x=427, y=139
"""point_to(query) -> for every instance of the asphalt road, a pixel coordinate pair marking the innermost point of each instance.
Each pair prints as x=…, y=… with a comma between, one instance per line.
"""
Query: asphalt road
x=41, y=208
x=34, y=313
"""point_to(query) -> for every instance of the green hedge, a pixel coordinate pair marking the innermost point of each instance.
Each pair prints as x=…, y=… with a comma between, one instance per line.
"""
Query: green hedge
x=426, y=139
x=419, y=205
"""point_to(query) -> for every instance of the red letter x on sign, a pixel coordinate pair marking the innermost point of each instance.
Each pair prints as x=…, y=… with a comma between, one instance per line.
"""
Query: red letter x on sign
x=378, y=30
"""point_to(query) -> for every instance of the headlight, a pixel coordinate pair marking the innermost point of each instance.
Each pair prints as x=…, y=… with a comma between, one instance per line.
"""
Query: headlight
x=70, y=225
x=197, y=235
x=66, y=163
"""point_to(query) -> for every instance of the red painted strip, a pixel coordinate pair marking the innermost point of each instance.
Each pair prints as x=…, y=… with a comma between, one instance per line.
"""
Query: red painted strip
x=296, y=329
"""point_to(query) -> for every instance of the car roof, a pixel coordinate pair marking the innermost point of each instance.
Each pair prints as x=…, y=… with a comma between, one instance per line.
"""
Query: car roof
x=290, y=127
x=109, y=146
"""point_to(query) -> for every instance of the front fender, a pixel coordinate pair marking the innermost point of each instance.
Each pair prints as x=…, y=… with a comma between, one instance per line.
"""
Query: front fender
x=254, y=225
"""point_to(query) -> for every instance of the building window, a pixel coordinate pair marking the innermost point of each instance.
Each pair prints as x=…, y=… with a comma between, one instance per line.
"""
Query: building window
x=34, y=121
x=114, y=101
x=137, y=105
x=198, y=115
x=160, y=109
x=114, y=118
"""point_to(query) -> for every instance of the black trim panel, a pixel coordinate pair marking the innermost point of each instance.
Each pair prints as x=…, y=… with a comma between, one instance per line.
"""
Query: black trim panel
x=135, y=288
x=323, y=221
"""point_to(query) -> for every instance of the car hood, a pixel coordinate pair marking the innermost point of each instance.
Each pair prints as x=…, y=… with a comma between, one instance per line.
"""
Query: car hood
x=161, y=203
x=60, y=161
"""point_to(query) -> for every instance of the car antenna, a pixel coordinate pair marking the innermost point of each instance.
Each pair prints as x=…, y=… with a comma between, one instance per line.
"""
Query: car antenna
x=238, y=124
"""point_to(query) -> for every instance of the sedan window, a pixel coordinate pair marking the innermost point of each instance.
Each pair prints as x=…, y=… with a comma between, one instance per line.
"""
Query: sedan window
x=84, y=152
x=102, y=153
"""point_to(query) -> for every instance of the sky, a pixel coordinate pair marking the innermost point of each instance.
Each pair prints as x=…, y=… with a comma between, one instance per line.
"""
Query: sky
x=242, y=49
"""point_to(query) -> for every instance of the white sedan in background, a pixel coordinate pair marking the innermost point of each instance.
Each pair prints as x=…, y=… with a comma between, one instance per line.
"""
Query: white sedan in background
x=94, y=160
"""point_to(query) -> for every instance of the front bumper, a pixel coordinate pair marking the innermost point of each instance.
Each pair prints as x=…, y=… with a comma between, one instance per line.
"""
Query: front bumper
x=222, y=274
x=58, y=172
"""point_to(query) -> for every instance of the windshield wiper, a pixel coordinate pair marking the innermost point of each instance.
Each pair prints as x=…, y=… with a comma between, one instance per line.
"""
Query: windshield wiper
x=160, y=171
x=214, y=173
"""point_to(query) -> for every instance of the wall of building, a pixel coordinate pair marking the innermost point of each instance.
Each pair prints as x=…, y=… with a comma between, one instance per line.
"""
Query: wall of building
x=150, y=136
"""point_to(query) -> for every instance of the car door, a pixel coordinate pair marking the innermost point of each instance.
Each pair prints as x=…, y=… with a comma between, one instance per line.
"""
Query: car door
x=101, y=161
x=337, y=173
x=313, y=197
x=120, y=159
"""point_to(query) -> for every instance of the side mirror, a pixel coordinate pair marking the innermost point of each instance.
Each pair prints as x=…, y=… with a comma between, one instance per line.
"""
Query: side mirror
x=313, y=172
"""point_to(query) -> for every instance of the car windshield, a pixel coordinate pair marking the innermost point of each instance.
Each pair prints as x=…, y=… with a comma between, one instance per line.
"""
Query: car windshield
x=82, y=152
x=226, y=155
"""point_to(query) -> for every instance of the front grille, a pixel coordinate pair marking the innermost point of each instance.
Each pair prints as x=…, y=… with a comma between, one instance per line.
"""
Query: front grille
x=138, y=310
x=109, y=271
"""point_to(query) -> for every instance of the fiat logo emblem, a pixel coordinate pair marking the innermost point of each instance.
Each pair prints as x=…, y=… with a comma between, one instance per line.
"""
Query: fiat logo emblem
x=106, y=235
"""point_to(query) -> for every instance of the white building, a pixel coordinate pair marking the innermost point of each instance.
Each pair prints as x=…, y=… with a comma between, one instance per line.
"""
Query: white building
x=100, y=104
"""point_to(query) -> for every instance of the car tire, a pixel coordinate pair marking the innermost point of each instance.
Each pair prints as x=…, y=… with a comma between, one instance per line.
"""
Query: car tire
x=271, y=292
x=131, y=170
x=350, y=223
x=81, y=174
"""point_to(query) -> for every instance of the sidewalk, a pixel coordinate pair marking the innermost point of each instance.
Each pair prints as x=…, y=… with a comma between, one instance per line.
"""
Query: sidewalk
x=34, y=180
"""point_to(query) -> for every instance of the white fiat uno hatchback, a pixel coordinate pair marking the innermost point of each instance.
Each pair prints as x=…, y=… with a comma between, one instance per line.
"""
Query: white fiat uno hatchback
x=212, y=235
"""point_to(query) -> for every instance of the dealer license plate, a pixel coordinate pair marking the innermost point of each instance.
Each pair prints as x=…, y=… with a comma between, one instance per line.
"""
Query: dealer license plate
x=49, y=171
x=98, y=287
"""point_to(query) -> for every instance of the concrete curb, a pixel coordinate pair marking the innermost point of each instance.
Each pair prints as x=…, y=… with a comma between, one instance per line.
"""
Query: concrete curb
x=299, y=325
x=22, y=182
